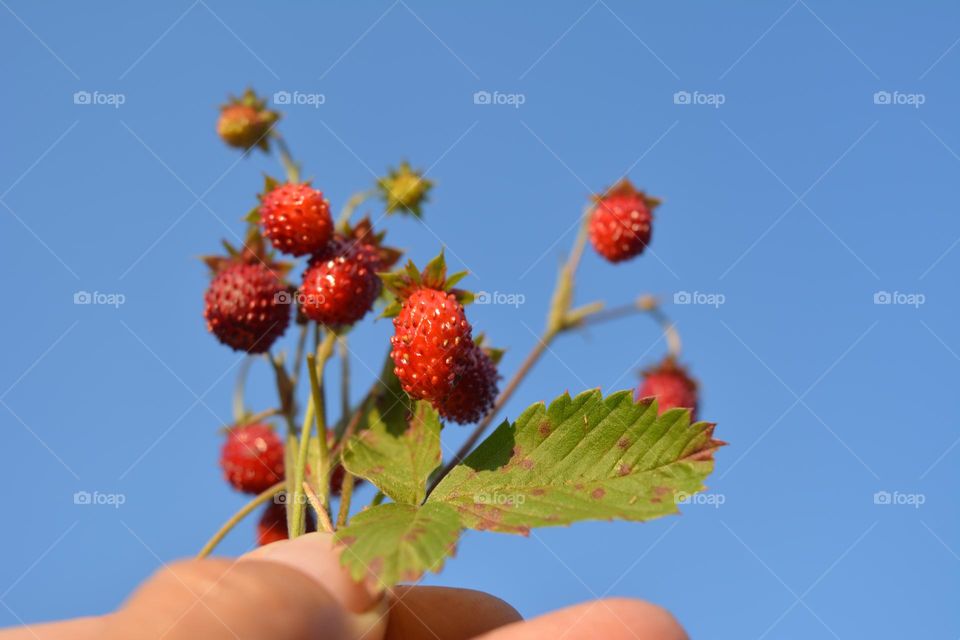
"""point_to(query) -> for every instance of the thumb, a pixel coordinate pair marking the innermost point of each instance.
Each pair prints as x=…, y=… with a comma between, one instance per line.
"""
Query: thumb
x=289, y=590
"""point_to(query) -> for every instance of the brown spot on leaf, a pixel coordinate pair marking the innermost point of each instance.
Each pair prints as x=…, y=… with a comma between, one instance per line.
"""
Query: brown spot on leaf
x=623, y=469
x=538, y=491
x=598, y=493
x=661, y=491
x=544, y=428
x=623, y=442
x=527, y=464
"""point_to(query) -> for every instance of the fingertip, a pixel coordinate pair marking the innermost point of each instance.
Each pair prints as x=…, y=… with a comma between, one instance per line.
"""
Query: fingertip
x=315, y=555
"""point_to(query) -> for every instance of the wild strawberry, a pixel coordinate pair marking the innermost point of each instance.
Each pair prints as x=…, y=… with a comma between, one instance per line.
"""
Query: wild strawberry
x=246, y=304
x=620, y=224
x=404, y=190
x=272, y=526
x=341, y=283
x=432, y=339
x=245, y=122
x=671, y=385
x=295, y=218
x=252, y=457
x=475, y=390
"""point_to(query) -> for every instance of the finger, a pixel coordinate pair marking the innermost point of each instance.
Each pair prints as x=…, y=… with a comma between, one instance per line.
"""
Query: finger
x=315, y=555
x=78, y=629
x=219, y=599
x=612, y=619
x=442, y=612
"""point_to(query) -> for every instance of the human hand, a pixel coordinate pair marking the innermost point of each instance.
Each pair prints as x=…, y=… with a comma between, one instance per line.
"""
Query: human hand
x=295, y=590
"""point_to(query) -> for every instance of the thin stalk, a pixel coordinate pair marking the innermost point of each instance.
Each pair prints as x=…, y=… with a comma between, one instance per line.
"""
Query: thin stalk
x=298, y=354
x=286, y=158
x=315, y=365
x=352, y=204
x=235, y=519
x=239, y=408
x=343, y=352
x=346, y=496
x=323, y=518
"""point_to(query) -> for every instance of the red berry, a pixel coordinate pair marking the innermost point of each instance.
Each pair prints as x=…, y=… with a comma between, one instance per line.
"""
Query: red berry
x=671, y=385
x=620, y=225
x=247, y=307
x=252, y=458
x=473, y=395
x=341, y=284
x=431, y=342
x=296, y=219
x=273, y=524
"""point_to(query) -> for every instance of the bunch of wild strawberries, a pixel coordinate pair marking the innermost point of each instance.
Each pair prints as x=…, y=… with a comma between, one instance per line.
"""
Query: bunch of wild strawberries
x=436, y=357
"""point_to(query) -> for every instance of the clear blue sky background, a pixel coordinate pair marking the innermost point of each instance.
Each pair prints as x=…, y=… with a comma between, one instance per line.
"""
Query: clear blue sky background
x=797, y=200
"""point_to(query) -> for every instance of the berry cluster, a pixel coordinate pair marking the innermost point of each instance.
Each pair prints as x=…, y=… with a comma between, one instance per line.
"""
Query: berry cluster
x=434, y=355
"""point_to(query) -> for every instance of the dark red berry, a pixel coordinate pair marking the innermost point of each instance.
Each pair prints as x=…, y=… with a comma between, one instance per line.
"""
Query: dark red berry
x=252, y=457
x=475, y=390
x=247, y=306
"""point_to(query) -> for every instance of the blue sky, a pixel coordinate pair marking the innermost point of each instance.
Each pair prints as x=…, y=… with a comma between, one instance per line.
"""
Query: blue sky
x=807, y=156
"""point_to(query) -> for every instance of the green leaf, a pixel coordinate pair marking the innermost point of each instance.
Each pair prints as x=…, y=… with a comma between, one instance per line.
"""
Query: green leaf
x=390, y=543
x=397, y=458
x=582, y=458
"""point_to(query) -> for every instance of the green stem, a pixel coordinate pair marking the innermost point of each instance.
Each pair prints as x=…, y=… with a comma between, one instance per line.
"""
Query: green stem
x=343, y=351
x=237, y=517
x=351, y=205
x=286, y=158
x=346, y=496
x=239, y=408
x=315, y=412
